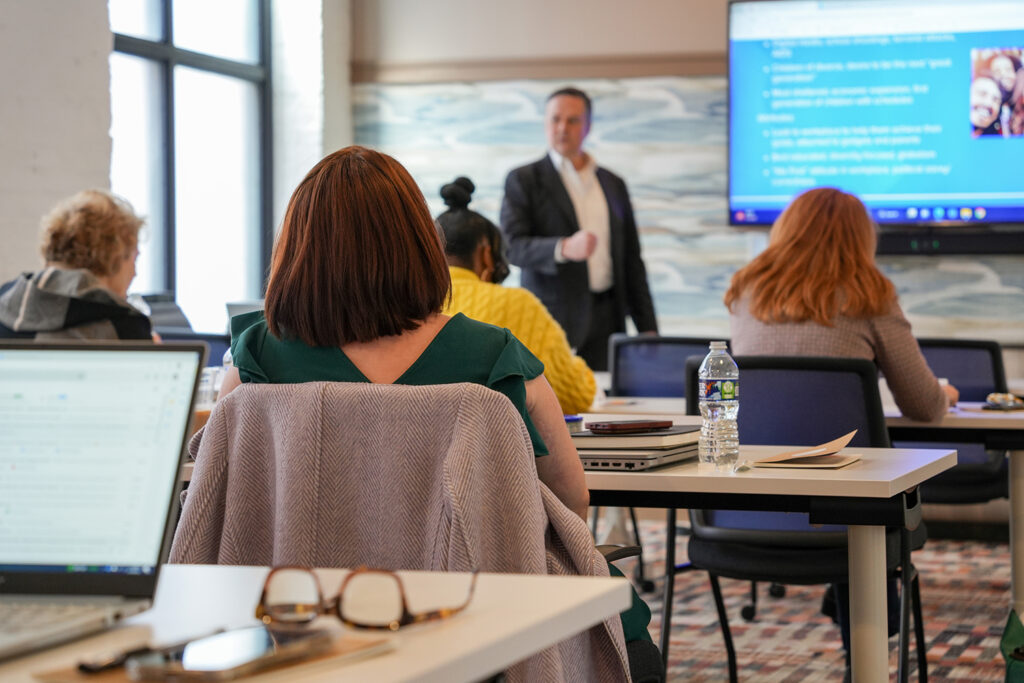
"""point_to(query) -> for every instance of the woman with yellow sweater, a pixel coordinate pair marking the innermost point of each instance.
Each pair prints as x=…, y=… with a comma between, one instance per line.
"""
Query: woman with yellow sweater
x=476, y=260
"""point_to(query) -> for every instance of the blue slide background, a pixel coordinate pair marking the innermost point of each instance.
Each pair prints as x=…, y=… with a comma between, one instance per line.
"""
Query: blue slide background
x=983, y=164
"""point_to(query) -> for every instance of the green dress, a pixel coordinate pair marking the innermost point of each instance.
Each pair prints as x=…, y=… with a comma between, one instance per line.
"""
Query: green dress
x=465, y=350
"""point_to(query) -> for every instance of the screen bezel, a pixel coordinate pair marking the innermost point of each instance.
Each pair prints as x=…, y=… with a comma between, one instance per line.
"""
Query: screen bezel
x=931, y=237
x=98, y=583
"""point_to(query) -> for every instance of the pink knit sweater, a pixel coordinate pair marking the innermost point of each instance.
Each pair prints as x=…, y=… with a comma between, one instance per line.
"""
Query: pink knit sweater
x=886, y=340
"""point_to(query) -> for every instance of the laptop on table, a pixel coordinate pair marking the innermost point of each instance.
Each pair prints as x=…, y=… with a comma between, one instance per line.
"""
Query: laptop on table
x=635, y=460
x=92, y=439
x=636, y=451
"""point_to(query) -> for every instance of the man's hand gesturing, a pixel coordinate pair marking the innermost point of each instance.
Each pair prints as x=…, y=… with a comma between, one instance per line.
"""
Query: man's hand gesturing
x=580, y=246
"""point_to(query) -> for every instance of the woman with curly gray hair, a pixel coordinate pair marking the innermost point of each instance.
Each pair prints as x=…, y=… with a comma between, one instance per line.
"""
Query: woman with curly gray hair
x=90, y=243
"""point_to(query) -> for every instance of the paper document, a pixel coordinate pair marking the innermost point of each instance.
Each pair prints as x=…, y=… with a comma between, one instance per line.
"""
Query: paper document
x=825, y=456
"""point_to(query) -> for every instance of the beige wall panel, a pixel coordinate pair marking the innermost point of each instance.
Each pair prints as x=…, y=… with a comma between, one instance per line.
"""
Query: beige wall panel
x=55, y=115
x=413, y=41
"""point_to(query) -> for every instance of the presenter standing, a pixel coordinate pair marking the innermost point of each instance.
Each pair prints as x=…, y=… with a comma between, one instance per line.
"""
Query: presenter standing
x=570, y=228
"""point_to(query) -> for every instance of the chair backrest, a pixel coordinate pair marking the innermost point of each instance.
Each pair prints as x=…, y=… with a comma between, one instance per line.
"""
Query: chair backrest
x=352, y=474
x=329, y=474
x=216, y=344
x=165, y=313
x=647, y=365
x=795, y=401
x=801, y=401
x=973, y=366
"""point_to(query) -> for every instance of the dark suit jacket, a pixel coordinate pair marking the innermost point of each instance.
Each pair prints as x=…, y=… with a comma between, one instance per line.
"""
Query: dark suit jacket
x=537, y=212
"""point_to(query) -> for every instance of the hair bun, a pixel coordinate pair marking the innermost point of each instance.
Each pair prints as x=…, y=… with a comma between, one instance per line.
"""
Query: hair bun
x=456, y=194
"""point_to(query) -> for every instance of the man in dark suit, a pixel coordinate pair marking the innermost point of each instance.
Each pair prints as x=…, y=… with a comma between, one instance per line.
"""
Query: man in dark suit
x=570, y=228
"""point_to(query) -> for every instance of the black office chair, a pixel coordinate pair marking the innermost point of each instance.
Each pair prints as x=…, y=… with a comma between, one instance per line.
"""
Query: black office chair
x=165, y=313
x=647, y=365
x=656, y=366
x=651, y=366
x=975, y=368
x=799, y=401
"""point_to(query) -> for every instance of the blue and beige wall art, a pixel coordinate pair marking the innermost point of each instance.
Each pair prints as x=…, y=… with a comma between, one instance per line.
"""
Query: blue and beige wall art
x=667, y=138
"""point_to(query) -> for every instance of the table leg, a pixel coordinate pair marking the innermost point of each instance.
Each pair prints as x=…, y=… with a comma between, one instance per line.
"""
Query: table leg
x=670, y=582
x=1017, y=529
x=868, y=622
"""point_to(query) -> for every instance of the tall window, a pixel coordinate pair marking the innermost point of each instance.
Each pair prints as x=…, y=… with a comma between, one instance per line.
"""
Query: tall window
x=190, y=123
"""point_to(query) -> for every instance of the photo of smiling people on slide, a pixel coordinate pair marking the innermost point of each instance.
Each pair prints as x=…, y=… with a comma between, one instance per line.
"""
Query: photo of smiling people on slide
x=994, y=76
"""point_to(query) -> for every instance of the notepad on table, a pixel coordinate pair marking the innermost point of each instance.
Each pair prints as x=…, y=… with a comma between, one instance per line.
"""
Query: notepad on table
x=825, y=456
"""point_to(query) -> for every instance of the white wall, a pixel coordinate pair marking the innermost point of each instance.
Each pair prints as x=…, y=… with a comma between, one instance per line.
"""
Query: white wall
x=312, y=99
x=55, y=105
x=337, y=55
x=54, y=114
x=466, y=43
x=406, y=31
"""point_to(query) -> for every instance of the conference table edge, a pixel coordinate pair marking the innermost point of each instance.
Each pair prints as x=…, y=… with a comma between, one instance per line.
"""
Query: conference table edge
x=965, y=415
x=604, y=598
x=684, y=479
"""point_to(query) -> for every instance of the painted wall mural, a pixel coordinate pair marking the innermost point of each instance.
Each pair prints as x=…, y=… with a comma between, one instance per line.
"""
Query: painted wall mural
x=667, y=138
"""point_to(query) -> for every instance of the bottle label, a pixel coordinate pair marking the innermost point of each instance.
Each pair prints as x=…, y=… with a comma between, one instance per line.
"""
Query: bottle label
x=719, y=390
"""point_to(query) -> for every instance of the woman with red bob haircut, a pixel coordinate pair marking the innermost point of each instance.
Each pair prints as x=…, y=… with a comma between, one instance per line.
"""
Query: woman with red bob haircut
x=357, y=283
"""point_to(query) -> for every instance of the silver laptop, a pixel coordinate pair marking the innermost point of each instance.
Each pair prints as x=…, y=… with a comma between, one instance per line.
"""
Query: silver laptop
x=635, y=460
x=240, y=307
x=92, y=440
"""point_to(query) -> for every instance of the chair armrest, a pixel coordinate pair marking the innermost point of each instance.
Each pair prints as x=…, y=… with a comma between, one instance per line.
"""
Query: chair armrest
x=617, y=552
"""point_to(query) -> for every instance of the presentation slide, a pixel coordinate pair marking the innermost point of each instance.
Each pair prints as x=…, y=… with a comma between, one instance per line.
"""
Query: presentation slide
x=917, y=108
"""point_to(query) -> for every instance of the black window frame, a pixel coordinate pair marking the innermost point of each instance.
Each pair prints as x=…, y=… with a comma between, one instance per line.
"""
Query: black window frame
x=168, y=56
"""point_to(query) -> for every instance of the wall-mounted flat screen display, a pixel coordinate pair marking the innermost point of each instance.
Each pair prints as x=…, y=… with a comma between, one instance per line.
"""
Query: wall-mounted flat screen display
x=915, y=106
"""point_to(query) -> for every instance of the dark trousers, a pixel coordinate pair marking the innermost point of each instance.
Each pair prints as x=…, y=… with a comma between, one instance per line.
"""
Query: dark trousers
x=603, y=323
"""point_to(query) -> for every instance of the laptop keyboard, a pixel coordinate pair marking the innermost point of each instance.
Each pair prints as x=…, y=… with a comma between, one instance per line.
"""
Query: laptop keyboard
x=21, y=616
x=31, y=622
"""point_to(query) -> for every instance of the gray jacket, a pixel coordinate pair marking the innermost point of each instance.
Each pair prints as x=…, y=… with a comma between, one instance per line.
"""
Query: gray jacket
x=55, y=303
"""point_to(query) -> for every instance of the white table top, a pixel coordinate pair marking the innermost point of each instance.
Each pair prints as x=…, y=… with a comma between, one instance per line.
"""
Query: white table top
x=511, y=617
x=880, y=473
x=965, y=415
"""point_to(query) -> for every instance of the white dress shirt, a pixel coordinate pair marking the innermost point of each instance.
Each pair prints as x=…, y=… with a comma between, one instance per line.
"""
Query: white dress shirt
x=591, y=209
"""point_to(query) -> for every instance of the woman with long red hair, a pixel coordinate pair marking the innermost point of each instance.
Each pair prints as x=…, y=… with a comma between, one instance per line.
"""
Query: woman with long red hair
x=816, y=291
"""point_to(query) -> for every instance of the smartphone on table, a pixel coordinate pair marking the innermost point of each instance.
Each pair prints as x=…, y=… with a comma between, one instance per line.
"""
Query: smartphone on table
x=228, y=655
x=628, y=426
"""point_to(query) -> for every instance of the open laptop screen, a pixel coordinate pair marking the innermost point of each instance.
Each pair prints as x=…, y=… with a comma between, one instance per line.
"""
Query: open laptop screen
x=90, y=452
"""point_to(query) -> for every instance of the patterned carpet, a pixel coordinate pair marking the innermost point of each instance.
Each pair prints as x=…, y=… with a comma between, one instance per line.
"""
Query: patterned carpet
x=965, y=593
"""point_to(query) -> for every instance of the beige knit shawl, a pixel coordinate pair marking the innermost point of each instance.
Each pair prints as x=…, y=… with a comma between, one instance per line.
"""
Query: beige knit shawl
x=441, y=478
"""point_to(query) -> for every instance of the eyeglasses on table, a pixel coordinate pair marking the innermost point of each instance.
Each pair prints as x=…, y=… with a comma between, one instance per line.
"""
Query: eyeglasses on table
x=367, y=598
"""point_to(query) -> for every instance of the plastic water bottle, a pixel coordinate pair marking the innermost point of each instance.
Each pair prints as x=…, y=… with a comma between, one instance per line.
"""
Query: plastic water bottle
x=226, y=364
x=719, y=386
